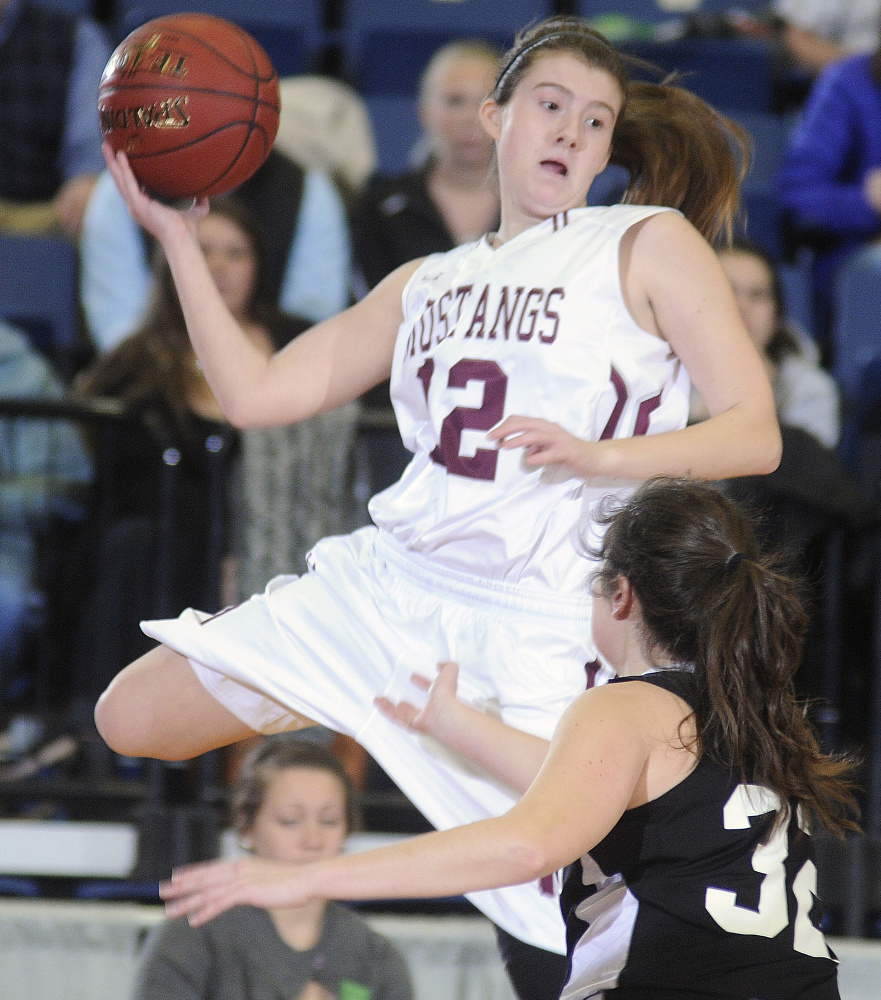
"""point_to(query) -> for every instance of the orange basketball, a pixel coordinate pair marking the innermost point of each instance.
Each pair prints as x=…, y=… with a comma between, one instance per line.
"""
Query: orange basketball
x=194, y=102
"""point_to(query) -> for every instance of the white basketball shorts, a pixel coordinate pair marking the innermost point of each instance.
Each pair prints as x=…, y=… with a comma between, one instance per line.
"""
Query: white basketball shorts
x=366, y=618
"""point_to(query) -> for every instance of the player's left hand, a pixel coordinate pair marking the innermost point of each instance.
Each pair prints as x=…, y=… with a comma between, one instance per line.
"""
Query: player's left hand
x=543, y=443
x=439, y=714
x=201, y=892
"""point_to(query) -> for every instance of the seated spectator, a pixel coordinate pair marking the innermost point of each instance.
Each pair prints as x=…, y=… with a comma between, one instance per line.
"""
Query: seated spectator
x=155, y=373
x=325, y=125
x=449, y=200
x=303, y=239
x=818, y=32
x=811, y=491
x=44, y=468
x=246, y=506
x=805, y=394
x=50, y=138
x=293, y=804
x=830, y=178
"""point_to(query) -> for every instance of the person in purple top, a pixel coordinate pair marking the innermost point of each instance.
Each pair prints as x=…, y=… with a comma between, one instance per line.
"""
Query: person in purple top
x=830, y=177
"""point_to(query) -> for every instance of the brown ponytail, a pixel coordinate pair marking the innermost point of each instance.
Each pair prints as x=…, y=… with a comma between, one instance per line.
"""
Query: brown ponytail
x=711, y=600
x=679, y=151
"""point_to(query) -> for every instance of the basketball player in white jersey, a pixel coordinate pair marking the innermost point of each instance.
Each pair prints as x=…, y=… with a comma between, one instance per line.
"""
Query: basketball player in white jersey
x=532, y=372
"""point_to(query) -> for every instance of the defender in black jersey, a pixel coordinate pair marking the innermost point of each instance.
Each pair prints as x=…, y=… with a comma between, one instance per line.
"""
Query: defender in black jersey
x=680, y=795
x=714, y=898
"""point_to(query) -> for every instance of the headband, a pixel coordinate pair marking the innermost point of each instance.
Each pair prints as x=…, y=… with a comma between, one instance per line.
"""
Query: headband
x=567, y=33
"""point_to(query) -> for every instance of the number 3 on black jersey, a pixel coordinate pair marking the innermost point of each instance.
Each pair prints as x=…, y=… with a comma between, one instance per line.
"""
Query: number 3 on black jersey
x=772, y=915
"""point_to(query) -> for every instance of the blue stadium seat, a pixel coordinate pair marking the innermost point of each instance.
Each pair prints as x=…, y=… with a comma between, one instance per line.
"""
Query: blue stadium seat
x=386, y=46
x=38, y=292
x=763, y=213
x=798, y=295
x=769, y=134
x=292, y=33
x=762, y=217
x=15, y=885
x=118, y=889
x=732, y=74
x=71, y=6
x=856, y=325
x=396, y=130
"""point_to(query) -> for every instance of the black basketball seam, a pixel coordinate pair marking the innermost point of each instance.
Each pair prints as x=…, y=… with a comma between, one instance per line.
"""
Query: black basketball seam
x=256, y=105
x=197, y=38
x=202, y=138
x=224, y=173
x=219, y=177
x=238, y=155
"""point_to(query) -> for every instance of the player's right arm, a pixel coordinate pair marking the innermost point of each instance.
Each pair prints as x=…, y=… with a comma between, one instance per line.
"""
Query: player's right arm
x=594, y=771
x=331, y=363
x=508, y=754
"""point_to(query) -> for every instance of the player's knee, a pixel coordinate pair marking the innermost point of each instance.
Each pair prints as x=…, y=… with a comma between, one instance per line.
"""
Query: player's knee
x=115, y=725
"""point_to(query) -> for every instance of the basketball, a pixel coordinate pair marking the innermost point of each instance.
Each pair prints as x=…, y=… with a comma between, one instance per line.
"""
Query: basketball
x=193, y=101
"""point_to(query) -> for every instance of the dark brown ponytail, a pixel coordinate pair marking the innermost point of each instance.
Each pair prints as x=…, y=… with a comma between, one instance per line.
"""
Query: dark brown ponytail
x=682, y=153
x=710, y=599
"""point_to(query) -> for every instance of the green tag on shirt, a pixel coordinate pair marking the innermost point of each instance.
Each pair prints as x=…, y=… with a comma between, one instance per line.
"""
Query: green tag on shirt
x=354, y=991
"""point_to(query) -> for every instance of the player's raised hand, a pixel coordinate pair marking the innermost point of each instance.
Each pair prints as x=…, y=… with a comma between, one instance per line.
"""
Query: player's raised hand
x=158, y=219
x=442, y=707
x=545, y=443
x=201, y=892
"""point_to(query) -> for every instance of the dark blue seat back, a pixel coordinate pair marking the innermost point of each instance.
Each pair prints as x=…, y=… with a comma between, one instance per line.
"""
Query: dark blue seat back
x=857, y=322
x=292, y=33
x=387, y=45
x=38, y=293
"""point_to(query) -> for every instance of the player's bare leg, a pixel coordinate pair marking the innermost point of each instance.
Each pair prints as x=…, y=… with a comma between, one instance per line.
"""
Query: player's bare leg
x=157, y=707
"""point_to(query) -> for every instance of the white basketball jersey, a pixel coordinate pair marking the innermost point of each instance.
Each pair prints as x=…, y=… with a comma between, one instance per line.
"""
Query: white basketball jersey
x=538, y=328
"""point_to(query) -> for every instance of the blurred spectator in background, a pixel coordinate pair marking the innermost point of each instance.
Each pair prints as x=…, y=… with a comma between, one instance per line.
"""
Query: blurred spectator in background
x=806, y=396
x=50, y=138
x=247, y=505
x=830, y=177
x=818, y=32
x=811, y=492
x=325, y=125
x=811, y=488
x=292, y=803
x=301, y=224
x=155, y=374
x=44, y=469
x=449, y=200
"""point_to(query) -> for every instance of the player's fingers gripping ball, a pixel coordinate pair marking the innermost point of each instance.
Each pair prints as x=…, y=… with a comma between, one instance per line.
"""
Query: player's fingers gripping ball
x=194, y=102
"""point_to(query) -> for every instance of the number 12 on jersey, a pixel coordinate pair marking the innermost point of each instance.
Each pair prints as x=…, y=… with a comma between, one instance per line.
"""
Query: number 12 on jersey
x=482, y=464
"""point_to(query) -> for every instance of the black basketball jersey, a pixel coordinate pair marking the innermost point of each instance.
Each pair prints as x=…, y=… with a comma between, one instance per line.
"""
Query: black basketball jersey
x=685, y=898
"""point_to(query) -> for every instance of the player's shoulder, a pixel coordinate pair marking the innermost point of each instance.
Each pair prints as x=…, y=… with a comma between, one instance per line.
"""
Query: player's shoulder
x=620, y=216
x=617, y=700
x=666, y=245
x=640, y=695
